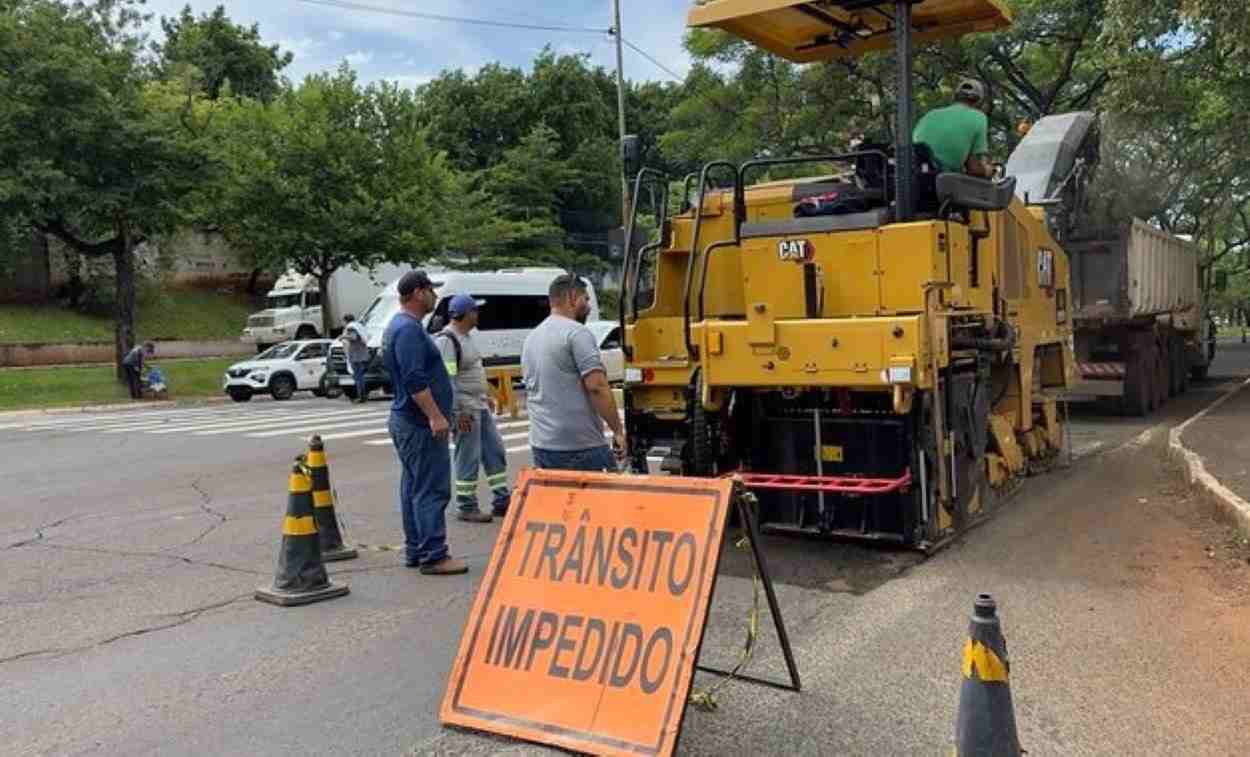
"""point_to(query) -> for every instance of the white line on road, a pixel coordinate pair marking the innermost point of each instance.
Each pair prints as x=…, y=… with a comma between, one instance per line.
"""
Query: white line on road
x=290, y=423
x=245, y=423
x=139, y=425
x=344, y=423
x=121, y=416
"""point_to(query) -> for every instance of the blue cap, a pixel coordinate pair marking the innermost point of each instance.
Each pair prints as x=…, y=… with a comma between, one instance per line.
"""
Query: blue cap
x=462, y=304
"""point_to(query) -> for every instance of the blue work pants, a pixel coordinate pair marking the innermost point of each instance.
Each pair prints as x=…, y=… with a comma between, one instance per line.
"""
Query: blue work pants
x=481, y=447
x=424, y=489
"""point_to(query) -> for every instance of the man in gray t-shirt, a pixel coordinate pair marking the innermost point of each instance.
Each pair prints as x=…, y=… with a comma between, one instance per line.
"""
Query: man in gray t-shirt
x=567, y=392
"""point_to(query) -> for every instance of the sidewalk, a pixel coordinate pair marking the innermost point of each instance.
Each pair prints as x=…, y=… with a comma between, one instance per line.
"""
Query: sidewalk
x=1215, y=446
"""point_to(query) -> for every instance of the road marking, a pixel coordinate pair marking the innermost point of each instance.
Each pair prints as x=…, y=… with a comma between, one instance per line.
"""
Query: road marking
x=238, y=424
x=289, y=424
x=345, y=423
x=353, y=434
x=171, y=422
x=128, y=416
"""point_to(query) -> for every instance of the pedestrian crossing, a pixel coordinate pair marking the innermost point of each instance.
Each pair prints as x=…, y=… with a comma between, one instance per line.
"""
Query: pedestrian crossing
x=259, y=421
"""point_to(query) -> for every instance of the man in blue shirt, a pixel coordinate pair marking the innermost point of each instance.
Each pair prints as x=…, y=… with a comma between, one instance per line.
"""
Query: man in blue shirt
x=419, y=427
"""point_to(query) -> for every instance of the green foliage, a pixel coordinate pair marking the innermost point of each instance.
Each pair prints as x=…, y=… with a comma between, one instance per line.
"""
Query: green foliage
x=332, y=174
x=161, y=313
x=92, y=385
x=221, y=53
x=86, y=154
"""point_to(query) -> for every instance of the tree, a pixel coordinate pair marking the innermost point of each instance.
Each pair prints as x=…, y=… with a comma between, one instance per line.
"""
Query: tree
x=331, y=175
x=222, y=52
x=88, y=152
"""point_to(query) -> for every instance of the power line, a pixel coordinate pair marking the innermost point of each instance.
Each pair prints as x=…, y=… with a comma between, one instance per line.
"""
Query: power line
x=654, y=62
x=455, y=19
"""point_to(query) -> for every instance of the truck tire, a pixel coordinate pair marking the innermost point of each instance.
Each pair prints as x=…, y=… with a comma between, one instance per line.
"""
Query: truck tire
x=1199, y=372
x=1161, y=377
x=305, y=332
x=282, y=387
x=1175, y=358
x=703, y=435
x=1138, y=393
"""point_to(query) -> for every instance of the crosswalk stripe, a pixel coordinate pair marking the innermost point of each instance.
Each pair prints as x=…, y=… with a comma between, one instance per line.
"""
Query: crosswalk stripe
x=172, y=422
x=312, y=428
x=355, y=434
x=240, y=427
x=126, y=416
x=250, y=419
x=176, y=426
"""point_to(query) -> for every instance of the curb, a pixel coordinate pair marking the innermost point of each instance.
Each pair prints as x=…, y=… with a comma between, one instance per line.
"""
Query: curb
x=116, y=407
x=1196, y=472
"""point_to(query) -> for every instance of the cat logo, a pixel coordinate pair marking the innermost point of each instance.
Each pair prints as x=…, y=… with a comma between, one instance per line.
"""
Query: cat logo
x=797, y=250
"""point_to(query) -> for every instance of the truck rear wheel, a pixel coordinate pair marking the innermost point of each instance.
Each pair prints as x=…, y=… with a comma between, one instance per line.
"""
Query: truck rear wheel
x=1161, y=377
x=1138, y=393
x=306, y=332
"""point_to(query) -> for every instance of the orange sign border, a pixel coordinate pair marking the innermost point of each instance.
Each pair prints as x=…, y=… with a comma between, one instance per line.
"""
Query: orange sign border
x=720, y=492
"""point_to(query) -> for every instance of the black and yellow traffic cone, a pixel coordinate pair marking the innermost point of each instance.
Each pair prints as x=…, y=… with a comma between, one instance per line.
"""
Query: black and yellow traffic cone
x=301, y=577
x=986, y=725
x=332, y=547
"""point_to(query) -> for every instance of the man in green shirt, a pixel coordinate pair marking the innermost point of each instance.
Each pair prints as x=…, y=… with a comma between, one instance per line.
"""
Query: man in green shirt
x=957, y=135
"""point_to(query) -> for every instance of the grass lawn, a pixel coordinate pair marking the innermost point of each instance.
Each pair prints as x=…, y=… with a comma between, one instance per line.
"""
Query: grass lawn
x=25, y=388
x=189, y=314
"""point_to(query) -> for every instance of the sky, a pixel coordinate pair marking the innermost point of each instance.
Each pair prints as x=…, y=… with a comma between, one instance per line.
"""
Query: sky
x=412, y=51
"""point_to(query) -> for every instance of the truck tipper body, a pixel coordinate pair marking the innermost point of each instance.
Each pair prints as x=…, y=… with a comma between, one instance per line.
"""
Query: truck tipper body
x=1138, y=315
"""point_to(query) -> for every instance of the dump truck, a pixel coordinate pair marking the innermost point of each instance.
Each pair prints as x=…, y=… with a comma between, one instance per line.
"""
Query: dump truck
x=874, y=348
x=1141, y=331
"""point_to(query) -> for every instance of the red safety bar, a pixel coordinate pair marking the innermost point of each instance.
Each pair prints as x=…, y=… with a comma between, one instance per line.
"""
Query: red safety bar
x=832, y=484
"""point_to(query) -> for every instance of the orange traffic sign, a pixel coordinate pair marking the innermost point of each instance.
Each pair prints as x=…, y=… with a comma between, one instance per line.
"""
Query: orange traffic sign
x=587, y=624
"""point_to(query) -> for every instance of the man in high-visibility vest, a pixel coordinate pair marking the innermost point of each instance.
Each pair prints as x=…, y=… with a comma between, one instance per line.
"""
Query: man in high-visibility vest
x=478, y=443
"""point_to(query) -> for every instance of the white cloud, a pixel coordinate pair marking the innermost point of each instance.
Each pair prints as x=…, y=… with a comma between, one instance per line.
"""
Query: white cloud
x=410, y=81
x=335, y=35
x=358, y=58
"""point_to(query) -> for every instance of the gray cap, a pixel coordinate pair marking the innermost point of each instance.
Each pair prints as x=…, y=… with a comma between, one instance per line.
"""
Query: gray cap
x=970, y=89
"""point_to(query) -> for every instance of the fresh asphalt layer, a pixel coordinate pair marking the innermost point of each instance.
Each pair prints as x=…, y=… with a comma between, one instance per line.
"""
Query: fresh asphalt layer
x=130, y=544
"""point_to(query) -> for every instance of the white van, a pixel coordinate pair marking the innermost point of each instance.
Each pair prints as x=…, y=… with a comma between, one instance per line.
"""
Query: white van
x=515, y=302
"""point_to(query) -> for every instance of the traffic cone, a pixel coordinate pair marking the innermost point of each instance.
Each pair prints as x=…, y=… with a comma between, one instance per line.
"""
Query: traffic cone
x=301, y=577
x=986, y=725
x=332, y=547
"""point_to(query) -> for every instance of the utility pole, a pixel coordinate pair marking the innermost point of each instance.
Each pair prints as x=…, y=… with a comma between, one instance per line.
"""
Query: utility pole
x=620, y=106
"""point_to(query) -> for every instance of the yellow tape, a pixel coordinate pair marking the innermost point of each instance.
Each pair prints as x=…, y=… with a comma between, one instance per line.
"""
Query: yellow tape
x=299, y=484
x=323, y=499
x=988, y=665
x=304, y=526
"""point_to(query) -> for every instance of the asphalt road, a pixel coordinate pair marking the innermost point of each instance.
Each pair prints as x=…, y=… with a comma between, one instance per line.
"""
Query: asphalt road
x=130, y=544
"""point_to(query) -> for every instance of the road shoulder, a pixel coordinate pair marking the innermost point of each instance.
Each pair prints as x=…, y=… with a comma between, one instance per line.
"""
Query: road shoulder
x=1213, y=449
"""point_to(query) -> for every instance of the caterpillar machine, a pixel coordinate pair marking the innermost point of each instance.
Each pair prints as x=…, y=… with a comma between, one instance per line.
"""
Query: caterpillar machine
x=876, y=353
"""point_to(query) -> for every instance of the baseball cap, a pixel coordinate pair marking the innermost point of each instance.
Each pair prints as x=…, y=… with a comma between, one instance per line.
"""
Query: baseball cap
x=462, y=304
x=414, y=280
x=972, y=89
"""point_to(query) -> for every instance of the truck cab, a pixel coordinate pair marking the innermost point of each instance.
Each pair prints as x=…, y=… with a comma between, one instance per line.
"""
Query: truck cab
x=292, y=311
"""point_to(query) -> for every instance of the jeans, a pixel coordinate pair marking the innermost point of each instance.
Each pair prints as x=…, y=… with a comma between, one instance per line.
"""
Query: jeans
x=424, y=489
x=358, y=373
x=132, y=378
x=481, y=446
x=593, y=459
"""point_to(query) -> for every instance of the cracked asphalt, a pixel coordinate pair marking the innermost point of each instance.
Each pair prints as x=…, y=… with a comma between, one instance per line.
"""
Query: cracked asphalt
x=127, y=566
